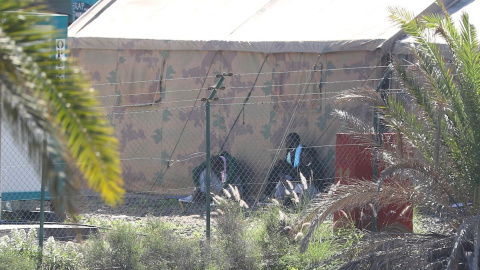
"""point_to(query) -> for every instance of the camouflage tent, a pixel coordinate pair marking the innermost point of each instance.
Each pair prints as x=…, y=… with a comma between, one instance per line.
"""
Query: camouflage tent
x=152, y=62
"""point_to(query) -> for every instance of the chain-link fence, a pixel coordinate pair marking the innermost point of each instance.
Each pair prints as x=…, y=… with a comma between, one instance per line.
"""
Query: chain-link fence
x=162, y=132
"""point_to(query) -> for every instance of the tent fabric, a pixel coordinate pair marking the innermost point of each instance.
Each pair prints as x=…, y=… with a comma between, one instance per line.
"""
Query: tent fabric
x=267, y=26
x=151, y=61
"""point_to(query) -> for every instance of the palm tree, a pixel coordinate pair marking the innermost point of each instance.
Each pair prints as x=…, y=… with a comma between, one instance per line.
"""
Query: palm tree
x=437, y=115
x=59, y=116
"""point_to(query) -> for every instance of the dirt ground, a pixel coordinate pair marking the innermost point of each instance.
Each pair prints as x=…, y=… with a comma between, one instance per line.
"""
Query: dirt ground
x=191, y=219
x=138, y=207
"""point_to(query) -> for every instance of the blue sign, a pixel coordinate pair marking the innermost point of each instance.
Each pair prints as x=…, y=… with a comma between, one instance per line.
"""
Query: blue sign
x=79, y=8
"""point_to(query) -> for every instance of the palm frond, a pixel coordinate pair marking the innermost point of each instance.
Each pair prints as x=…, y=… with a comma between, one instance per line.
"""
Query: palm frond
x=357, y=194
x=352, y=122
x=387, y=251
x=466, y=241
x=437, y=115
x=58, y=102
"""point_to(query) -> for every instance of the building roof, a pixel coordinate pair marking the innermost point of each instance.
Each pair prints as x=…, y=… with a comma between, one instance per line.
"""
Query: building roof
x=268, y=26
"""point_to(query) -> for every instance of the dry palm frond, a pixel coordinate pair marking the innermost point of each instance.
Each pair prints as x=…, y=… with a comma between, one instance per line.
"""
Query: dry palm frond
x=362, y=94
x=358, y=193
x=411, y=251
x=429, y=187
x=434, y=187
x=466, y=241
x=388, y=251
x=438, y=115
x=353, y=122
x=390, y=190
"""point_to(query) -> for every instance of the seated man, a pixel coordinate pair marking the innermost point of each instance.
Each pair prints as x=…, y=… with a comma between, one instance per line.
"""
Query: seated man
x=300, y=161
x=224, y=170
x=312, y=170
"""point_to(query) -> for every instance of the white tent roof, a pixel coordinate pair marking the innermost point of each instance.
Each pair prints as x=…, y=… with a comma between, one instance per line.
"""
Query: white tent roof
x=243, y=25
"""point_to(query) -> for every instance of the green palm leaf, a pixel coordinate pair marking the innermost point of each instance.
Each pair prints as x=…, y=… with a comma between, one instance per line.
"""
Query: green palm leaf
x=56, y=106
x=437, y=114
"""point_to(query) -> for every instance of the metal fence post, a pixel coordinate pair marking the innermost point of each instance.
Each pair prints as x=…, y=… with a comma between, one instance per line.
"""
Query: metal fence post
x=377, y=138
x=42, y=202
x=207, y=135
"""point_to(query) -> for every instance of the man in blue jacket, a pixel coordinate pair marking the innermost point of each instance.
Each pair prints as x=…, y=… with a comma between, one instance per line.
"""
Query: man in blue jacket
x=300, y=161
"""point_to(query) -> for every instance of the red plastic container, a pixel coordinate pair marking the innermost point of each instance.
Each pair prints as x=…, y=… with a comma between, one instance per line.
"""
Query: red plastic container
x=354, y=159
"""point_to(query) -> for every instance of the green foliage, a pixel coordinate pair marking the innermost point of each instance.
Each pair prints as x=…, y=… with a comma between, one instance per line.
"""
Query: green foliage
x=435, y=118
x=233, y=249
x=447, y=95
x=120, y=249
x=15, y=261
x=21, y=250
x=272, y=242
x=238, y=242
x=55, y=102
x=278, y=249
x=125, y=244
x=163, y=248
x=142, y=245
x=22, y=242
x=97, y=252
x=60, y=255
x=325, y=243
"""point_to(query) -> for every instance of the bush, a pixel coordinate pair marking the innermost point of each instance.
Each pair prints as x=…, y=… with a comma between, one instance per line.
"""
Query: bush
x=163, y=250
x=233, y=249
x=15, y=261
x=238, y=242
x=20, y=251
x=269, y=235
x=120, y=249
x=61, y=255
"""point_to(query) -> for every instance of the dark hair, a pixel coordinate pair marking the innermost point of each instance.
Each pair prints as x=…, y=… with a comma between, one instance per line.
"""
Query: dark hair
x=292, y=140
x=216, y=162
x=294, y=137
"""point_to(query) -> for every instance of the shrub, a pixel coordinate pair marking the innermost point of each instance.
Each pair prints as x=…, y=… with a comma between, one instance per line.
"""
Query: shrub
x=15, y=261
x=20, y=251
x=163, y=250
x=233, y=249
x=269, y=231
x=120, y=249
x=61, y=255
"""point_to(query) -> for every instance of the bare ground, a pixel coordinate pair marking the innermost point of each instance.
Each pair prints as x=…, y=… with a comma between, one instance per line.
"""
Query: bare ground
x=138, y=207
